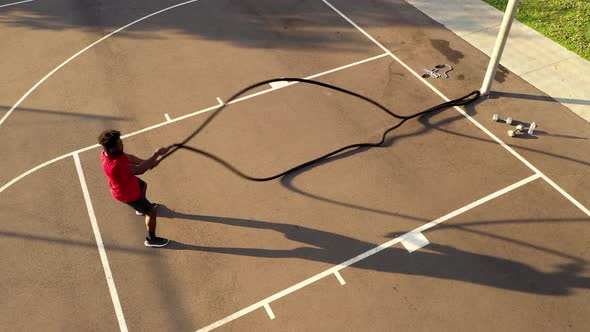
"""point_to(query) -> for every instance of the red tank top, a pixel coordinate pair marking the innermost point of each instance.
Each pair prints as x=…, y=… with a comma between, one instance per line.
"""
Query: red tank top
x=124, y=186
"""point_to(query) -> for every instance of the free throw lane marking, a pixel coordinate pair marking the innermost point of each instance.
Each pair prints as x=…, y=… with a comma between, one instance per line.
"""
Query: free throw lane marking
x=339, y=277
x=414, y=241
x=100, y=245
x=269, y=311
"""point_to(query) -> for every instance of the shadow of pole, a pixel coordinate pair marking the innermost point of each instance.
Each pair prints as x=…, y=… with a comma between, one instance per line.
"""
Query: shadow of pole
x=500, y=94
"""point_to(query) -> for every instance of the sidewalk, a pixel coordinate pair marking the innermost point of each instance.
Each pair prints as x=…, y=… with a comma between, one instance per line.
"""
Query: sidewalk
x=559, y=73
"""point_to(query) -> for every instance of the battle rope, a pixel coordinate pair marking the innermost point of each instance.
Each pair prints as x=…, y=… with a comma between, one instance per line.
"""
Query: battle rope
x=182, y=145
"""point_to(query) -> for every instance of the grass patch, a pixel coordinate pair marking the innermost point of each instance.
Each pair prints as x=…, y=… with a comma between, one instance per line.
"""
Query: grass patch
x=567, y=22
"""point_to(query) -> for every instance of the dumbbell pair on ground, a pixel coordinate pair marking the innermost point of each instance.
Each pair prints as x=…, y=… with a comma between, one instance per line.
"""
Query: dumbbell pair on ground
x=519, y=128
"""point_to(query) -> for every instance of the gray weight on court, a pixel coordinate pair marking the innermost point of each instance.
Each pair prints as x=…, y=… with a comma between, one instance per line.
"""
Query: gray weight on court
x=531, y=130
x=497, y=118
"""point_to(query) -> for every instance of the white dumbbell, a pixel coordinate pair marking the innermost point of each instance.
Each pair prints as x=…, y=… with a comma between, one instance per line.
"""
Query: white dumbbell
x=497, y=118
x=519, y=130
x=531, y=130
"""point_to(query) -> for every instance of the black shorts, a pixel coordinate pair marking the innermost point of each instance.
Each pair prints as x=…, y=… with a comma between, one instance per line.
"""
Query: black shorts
x=142, y=204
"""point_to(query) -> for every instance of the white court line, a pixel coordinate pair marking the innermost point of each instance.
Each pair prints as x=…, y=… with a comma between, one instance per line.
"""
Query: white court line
x=564, y=193
x=308, y=78
x=186, y=116
x=347, y=66
x=15, y=3
x=366, y=254
x=221, y=103
x=167, y=117
x=484, y=129
x=100, y=245
x=339, y=277
x=82, y=51
x=271, y=315
x=47, y=163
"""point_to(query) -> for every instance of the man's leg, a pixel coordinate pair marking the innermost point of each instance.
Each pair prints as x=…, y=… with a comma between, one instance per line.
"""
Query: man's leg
x=150, y=210
x=143, y=187
x=150, y=220
x=150, y=223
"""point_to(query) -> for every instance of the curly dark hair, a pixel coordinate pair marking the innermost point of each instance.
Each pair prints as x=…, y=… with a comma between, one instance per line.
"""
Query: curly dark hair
x=108, y=139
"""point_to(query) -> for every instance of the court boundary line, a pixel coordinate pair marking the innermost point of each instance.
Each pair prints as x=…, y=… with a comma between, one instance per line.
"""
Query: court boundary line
x=101, y=249
x=475, y=122
x=180, y=118
x=16, y=3
x=336, y=268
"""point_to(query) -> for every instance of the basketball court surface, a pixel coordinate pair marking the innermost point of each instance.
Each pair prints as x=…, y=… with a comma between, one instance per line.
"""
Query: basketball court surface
x=451, y=226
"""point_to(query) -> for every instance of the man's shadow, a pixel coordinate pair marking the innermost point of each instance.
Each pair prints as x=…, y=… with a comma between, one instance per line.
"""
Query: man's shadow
x=435, y=260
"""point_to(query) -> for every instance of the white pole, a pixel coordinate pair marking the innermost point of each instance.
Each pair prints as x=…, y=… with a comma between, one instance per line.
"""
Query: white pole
x=499, y=46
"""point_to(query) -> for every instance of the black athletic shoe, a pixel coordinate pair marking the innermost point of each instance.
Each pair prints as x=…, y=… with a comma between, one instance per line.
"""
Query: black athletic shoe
x=158, y=242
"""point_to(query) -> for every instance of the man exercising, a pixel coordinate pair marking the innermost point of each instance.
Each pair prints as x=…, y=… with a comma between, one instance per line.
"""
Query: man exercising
x=126, y=187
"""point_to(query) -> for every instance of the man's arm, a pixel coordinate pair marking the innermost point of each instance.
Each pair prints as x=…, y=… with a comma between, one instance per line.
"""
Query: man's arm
x=149, y=163
x=133, y=160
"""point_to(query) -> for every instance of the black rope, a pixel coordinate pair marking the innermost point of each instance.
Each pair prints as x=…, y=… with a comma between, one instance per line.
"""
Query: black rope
x=182, y=145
